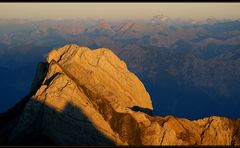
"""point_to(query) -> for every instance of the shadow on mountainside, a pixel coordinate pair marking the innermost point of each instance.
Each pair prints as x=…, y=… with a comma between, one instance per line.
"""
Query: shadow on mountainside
x=46, y=126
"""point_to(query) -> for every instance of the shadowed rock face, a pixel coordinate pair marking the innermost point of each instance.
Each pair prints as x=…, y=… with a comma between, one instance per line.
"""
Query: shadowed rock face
x=85, y=97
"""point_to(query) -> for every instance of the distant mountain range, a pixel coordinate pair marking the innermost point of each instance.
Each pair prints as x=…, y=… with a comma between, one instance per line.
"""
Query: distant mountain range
x=184, y=66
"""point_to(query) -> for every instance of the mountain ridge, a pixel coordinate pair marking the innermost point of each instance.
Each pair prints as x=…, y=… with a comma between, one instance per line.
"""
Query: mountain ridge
x=75, y=102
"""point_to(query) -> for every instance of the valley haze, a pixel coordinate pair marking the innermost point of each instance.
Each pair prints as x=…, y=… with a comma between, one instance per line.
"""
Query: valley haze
x=119, y=11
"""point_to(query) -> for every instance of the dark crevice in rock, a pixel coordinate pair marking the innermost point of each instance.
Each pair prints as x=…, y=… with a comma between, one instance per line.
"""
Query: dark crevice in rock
x=206, y=127
x=144, y=110
x=48, y=81
x=164, y=133
x=64, y=53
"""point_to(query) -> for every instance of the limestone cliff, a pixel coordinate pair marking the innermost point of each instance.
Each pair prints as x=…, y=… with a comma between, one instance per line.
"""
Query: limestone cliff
x=88, y=97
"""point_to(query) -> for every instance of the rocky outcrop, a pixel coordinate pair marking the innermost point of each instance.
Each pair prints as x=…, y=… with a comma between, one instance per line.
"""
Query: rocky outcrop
x=88, y=97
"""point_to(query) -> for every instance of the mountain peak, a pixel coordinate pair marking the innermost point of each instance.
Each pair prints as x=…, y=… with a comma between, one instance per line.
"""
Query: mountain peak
x=93, y=57
x=159, y=19
x=98, y=61
x=88, y=97
x=103, y=24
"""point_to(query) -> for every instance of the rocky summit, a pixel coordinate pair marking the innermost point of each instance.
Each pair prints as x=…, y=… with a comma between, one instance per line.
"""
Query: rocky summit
x=88, y=97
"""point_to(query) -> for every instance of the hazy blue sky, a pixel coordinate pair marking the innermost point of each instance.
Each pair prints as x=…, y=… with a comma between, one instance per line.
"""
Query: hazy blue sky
x=118, y=10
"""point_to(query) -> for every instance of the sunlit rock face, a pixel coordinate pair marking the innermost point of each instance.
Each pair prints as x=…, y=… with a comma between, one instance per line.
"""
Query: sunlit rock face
x=103, y=73
x=88, y=97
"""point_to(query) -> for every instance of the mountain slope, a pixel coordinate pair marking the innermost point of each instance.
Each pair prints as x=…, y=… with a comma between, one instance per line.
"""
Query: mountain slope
x=88, y=97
